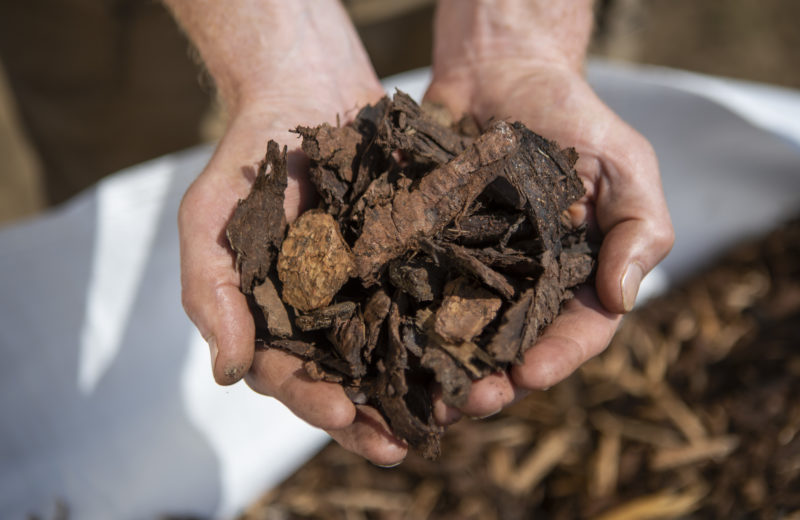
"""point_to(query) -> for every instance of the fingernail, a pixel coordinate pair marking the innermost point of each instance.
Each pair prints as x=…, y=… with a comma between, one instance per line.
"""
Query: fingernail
x=487, y=415
x=388, y=466
x=451, y=416
x=212, y=347
x=631, y=281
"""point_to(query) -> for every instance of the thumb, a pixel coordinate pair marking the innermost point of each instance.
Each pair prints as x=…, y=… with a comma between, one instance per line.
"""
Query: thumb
x=210, y=285
x=632, y=215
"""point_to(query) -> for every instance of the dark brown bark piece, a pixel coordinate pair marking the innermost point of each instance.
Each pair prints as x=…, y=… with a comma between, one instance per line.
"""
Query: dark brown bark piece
x=418, y=133
x=453, y=379
x=412, y=340
x=375, y=312
x=316, y=372
x=332, y=151
x=314, y=261
x=466, y=262
x=417, y=279
x=267, y=298
x=536, y=309
x=349, y=338
x=323, y=359
x=345, y=160
x=324, y=318
x=552, y=188
x=486, y=229
x=510, y=261
x=256, y=229
x=419, y=431
x=378, y=192
x=576, y=264
x=476, y=361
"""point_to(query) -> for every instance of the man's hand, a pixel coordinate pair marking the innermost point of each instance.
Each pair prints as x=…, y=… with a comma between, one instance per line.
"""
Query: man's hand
x=276, y=65
x=530, y=72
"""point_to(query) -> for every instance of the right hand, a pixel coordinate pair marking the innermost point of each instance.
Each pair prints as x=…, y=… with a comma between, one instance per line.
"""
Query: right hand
x=210, y=283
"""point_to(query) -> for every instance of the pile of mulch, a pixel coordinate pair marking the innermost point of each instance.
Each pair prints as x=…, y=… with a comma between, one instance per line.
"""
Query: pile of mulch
x=692, y=412
x=437, y=253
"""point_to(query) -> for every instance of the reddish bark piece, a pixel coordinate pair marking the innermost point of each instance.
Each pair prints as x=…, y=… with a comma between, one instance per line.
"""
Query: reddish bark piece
x=445, y=192
x=256, y=229
x=314, y=261
x=465, y=310
x=267, y=298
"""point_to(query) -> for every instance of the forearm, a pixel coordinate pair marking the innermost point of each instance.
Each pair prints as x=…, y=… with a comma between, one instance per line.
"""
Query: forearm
x=256, y=49
x=473, y=32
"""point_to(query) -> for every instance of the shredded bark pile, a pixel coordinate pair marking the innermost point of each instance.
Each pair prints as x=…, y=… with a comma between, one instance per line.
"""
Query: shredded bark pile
x=692, y=412
x=437, y=253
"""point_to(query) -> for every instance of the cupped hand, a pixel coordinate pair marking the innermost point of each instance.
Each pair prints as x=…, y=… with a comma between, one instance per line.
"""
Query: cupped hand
x=624, y=206
x=210, y=283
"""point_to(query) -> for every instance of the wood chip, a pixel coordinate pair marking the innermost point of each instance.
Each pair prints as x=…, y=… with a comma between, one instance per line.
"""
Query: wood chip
x=662, y=505
x=540, y=460
x=314, y=262
x=699, y=450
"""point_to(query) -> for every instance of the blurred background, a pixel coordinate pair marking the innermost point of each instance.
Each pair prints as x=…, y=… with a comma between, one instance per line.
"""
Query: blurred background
x=88, y=88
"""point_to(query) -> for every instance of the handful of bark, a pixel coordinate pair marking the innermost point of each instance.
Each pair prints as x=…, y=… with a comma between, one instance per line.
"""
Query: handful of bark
x=437, y=253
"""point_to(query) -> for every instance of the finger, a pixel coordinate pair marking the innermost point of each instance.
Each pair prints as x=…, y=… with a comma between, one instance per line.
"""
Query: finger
x=370, y=437
x=632, y=214
x=488, y=396
x=443, y=413
x=210, y=286
x=282, y=376
x=582, y=330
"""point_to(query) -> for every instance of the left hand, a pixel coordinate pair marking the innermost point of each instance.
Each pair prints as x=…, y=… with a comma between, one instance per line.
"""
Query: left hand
x=624, y=204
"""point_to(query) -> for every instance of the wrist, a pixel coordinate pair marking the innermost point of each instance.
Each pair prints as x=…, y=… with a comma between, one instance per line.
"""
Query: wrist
x=473, y=35
x=260, y=50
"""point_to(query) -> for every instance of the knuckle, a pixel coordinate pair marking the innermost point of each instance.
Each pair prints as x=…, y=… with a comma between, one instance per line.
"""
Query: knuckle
x=636, y=160
x=189, y=301
x=539, y=376
x=663, y=238
x=184, y=208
